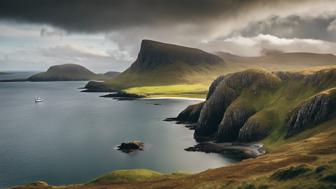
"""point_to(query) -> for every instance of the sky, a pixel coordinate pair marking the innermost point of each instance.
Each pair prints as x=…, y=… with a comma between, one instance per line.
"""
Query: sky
x=105, y=35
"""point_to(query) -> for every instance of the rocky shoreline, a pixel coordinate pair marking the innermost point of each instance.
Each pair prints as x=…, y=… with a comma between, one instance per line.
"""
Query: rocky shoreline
x=237, y=150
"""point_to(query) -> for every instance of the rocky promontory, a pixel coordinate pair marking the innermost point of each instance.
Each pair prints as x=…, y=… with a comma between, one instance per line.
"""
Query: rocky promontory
x=252, y=105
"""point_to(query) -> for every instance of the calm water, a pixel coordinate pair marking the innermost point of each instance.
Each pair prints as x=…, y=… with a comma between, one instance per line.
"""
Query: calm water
x=70, y=137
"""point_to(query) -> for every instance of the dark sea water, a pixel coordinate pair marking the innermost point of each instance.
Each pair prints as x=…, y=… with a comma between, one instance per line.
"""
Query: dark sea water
x=70, y=137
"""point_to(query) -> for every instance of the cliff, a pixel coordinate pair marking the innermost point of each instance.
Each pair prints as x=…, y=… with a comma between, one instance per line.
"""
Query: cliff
x=155, y=55
x=253, y=105
x=160, y=63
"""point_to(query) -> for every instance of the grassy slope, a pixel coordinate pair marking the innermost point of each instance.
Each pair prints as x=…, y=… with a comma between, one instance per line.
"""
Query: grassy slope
x=187, y=81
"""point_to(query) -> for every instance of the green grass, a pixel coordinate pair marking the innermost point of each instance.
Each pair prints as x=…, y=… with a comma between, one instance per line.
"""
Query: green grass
x=192, y=90
x=134, y=175
x=131, y=175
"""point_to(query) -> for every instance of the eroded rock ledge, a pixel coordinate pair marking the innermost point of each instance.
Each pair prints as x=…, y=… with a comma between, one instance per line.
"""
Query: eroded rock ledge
x=236, y=150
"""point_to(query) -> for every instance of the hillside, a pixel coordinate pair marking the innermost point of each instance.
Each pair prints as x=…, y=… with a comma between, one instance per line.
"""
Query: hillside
x=65, y=72
x=70, y=72
x=163, y=69
x=292, y=113
x=256, y=105
x=280, y=61
x=168, y=64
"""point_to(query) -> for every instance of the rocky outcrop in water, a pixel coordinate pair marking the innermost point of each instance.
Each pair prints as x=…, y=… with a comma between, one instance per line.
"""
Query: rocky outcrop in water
x=120, y=95
x=98, y=86
x=315, y=110
x=237, y=150
x=190, y=114
x=131, y=146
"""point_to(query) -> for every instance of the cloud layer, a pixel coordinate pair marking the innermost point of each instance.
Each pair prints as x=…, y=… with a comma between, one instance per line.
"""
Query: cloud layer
x=244, y=27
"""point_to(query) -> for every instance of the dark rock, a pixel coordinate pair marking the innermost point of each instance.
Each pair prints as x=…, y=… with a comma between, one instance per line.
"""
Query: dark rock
x=226, y=92
x=311, y=112
x=170, y=119
x=154, y=54
x=214, y=85
x=13, y=80
x=190, y=114
x=131, y=146
x=191, y=126
x=234, y=119
x=98, y=86
x=254, y=130
x=123, y=96
x=238, y=150
x=286, y=76
x=321, y=78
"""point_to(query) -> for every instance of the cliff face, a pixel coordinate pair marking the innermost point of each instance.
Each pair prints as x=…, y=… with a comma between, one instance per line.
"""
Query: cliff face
x=191, y=113
x=154, y=55
x=220, y=115
x=65, y=72
x=251, y=105
x=312, y=111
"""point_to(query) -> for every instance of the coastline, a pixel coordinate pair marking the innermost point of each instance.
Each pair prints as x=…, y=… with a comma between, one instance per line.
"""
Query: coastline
x=173, y=98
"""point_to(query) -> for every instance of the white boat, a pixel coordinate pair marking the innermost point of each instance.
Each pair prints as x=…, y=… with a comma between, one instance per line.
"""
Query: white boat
x=38, y=99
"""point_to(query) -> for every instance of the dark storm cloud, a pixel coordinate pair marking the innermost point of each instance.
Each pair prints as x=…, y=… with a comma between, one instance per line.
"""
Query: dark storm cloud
x=105, y=15
x=292, y=26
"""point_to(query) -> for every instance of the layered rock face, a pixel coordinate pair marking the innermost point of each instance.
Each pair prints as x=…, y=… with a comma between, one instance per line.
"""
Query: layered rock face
x=154, y=54
x=190, y=114
x=312, y=111
x=250, y=105
x=217, y=118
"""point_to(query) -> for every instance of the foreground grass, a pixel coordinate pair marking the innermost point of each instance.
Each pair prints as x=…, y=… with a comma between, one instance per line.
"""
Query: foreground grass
x=121, y=176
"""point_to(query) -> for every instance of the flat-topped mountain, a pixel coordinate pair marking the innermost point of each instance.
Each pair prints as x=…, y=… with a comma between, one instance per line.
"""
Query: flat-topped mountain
x=65, y=72
x=154, y=55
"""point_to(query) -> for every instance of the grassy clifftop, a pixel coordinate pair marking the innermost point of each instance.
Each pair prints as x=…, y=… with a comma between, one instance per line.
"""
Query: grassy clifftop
x=256, y=105
x=189, y=71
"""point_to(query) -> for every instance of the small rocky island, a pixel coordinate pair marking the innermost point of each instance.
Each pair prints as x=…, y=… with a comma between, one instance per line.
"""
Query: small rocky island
x=131, y=146
x=121, y=95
